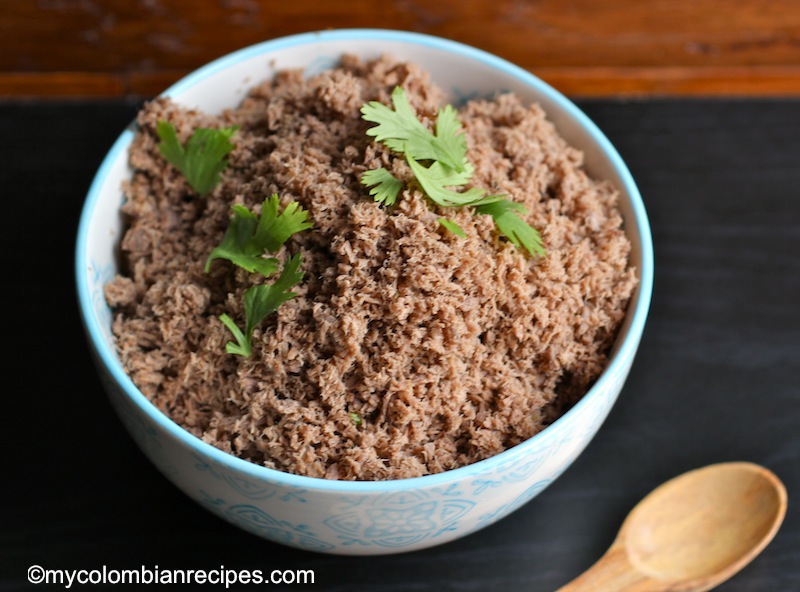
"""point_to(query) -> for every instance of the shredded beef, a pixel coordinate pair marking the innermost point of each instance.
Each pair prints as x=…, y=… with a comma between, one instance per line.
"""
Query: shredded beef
x=408, y=350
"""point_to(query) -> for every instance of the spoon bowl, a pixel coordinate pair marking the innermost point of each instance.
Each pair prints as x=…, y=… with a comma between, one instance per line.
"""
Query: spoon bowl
x=692, y=533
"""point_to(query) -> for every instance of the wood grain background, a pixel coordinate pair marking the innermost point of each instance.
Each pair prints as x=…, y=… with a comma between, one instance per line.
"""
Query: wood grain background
x=136, y=48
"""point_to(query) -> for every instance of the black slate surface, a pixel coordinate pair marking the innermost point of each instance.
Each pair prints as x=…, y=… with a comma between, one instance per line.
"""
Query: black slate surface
x=717, y=377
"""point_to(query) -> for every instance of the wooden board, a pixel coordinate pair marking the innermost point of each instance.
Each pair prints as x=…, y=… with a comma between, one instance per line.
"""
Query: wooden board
x=118, y=48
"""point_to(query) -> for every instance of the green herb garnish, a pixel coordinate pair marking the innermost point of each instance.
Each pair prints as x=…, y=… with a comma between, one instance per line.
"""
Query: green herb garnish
x=439, y=162
x=385, y=186
x=356, y=418
x=512, y=226
x=452, y=227
x=435, y=181
x=245, y=243
x=401, y=131
x=259, y=302
x=248, y=237
x=277, y=227
x=203, y=158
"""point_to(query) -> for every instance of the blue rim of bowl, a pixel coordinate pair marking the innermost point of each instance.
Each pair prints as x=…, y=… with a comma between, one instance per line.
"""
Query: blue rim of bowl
x=626, y=350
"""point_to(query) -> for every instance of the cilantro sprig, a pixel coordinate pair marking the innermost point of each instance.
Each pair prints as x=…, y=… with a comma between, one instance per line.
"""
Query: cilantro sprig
x=385, y=186
x=248, y=236
x=401, y=131
x=246, y=241
x=259, y=302
x=439, y=163
x=512, y=226
x=203, y=158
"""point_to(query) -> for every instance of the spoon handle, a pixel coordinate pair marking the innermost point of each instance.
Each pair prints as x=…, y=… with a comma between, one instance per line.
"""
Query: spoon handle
x=613, y=572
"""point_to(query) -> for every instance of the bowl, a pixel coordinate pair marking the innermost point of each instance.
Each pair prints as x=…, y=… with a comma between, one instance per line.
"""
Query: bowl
x=357, y=517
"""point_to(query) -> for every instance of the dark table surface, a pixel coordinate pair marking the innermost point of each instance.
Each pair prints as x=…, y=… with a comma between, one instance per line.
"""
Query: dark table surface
x=717, y=377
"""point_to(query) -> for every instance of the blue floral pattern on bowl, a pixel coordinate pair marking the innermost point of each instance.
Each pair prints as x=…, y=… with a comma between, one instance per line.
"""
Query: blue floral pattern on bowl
x=398, y=519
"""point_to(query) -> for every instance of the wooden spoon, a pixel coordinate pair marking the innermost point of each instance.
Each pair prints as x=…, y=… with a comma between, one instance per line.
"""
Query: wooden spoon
x=692, y=533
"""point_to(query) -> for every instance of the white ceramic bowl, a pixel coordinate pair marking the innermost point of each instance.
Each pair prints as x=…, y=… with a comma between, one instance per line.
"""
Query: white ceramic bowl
x=359, y=518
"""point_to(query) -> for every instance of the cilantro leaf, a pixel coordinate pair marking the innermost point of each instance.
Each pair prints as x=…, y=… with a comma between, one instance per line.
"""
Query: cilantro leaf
x=203, y=158
x=243, y=347
x=259, y=302
x=386, y=186
x=451, y=140
x=446, y=152
x=433, y=181
x=277, y=228
x=452, y=227
x=242, y=245
x=400, y=130
x=506, y=217
x=248, y=236
x=246, y=240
